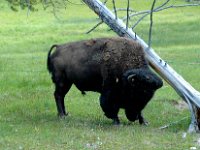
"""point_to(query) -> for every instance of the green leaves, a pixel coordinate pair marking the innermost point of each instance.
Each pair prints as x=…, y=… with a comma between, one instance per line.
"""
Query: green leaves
x=15, y=5
x=33, y=5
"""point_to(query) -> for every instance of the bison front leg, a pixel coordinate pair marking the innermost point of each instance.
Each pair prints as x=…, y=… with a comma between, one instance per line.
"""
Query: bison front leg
x=110, y=109
x=132, y=116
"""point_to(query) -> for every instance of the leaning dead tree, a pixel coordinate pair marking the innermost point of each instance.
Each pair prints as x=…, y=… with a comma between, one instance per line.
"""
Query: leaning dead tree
x=183, y=88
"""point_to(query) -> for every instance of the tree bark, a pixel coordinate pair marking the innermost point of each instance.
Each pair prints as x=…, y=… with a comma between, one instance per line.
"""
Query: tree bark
x=183, y=88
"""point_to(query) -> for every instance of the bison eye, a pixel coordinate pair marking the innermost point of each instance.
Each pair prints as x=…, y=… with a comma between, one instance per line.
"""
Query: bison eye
x=131, y=78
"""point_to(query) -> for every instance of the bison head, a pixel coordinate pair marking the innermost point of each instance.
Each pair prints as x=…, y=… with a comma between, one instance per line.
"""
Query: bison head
x=139, y=86
x=142, y=79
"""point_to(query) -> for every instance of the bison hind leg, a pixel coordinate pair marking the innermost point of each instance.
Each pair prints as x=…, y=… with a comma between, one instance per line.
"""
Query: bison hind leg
x=62, y=86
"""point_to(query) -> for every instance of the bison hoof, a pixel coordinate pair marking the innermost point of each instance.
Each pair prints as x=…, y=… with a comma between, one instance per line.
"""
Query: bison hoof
x=145, y=123
x=116, y=122
x=62, y=116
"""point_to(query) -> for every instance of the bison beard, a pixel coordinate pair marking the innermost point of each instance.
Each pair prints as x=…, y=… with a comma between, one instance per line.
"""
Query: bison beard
x=114, y=67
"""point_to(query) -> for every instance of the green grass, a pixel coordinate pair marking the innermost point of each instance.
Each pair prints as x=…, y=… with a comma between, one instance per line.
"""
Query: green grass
x=27, y=109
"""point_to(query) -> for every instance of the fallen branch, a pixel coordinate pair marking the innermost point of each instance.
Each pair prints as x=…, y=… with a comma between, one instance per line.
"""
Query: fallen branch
x=183, y=88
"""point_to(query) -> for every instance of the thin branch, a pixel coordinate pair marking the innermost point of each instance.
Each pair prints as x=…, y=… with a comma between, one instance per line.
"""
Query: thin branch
x=160, y=8
x=99, y=23
x=105, y=2
x=139, y=21
x=29, y=7
x=45, y=4
x=94, y=27
x=165, y=3
x=54, y=9
x=127, y=20
x=173, y=123
x=125, y=9
x=177, y=6
x=74, y=3
x=151, y=23
x=115, y=10
x=147, y=12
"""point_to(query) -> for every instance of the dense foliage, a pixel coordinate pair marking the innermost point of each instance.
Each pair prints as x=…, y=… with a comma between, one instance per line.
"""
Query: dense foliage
x=32, y=4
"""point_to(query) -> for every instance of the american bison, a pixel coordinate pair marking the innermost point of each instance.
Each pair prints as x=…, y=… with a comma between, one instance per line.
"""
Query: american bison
x=114, y=67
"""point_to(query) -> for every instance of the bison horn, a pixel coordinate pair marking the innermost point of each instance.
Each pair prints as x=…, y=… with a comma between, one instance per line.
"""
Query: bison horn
x=147, y=77
x=117, y=80
x=131, y=77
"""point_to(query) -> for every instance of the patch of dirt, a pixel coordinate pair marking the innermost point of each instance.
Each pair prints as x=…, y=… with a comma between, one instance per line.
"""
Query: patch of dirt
x=180, y=104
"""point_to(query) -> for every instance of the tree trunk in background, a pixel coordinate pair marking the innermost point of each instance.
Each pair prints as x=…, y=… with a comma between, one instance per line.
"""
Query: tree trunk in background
x=183, y=88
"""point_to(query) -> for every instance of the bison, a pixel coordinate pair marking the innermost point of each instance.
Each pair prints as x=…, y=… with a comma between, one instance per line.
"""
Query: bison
x=114, y=67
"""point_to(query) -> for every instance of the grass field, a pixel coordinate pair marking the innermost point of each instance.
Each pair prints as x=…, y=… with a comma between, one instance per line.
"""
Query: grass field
x=27, y=109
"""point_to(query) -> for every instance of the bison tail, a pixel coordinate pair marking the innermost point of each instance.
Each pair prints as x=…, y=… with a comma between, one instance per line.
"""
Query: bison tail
x=49, y=64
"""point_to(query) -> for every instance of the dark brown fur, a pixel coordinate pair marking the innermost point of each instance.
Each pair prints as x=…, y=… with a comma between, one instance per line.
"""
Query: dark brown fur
x=98, y=65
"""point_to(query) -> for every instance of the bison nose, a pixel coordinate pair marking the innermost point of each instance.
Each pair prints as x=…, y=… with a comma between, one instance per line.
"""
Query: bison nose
x=160, y=84
x=157, y=83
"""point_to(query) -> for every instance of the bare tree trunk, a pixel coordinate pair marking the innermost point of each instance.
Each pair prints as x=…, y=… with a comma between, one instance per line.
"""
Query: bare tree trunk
x=183, y=88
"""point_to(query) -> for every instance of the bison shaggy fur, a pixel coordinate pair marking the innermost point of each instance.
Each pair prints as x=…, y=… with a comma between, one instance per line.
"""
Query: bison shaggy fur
x=114, y=67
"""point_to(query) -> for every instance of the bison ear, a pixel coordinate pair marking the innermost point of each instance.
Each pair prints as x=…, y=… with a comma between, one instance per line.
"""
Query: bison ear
x=131, y=78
